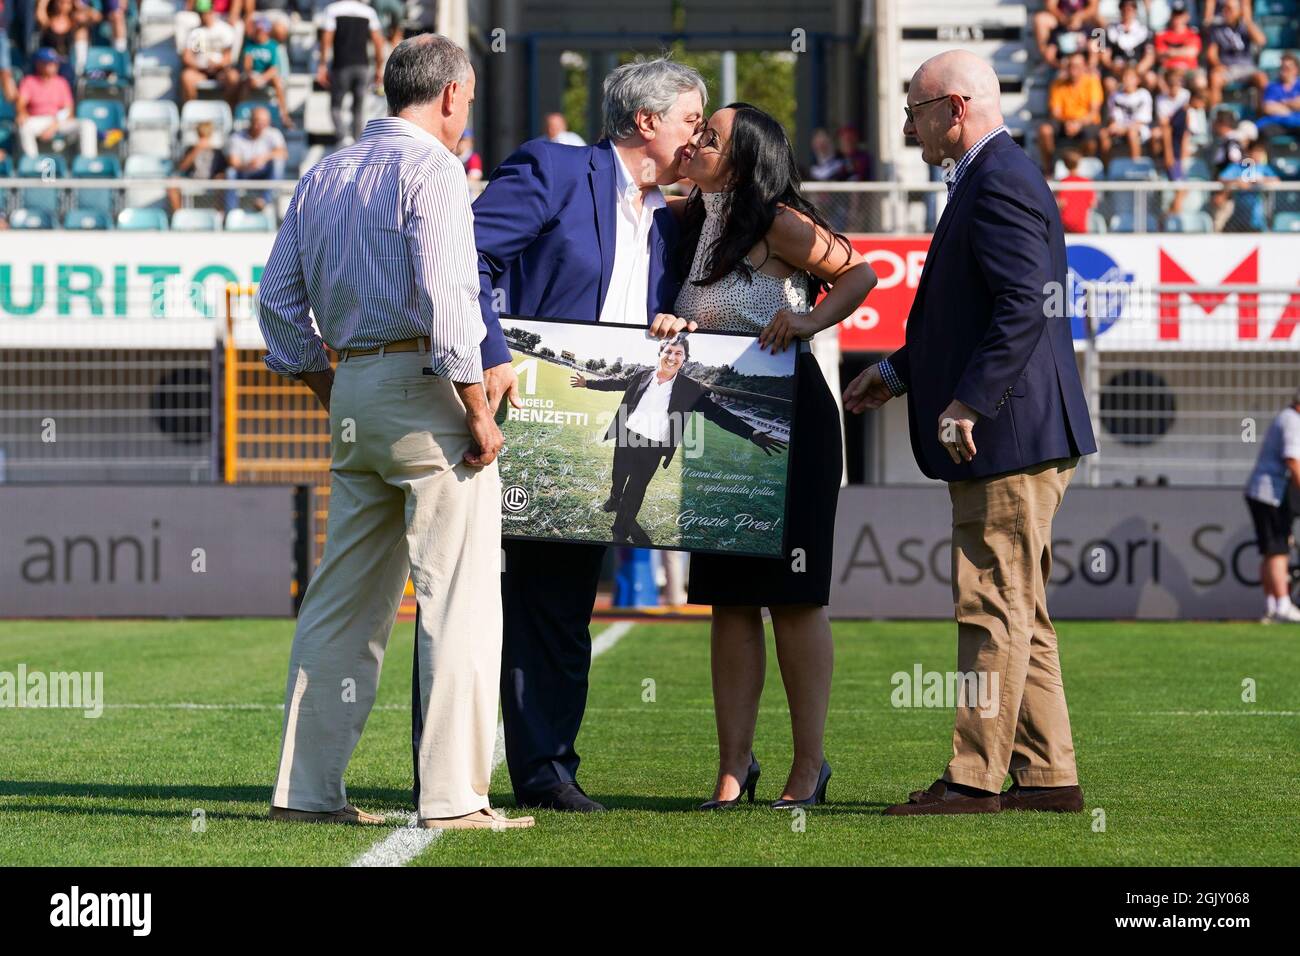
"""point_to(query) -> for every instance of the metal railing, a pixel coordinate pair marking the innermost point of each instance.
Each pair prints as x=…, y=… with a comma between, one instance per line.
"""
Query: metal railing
x=878, y=208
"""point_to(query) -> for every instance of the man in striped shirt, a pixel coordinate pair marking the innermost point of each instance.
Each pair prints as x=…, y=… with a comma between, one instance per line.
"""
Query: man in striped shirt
x=378, y=246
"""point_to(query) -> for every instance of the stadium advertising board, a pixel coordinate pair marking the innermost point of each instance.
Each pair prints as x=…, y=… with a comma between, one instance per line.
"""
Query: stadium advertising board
x=1127, y=319
x=146, y=550
x=1153, y=553
x=625, y=439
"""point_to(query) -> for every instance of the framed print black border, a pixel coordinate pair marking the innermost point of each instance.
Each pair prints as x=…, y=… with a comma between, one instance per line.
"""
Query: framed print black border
x=794, y=424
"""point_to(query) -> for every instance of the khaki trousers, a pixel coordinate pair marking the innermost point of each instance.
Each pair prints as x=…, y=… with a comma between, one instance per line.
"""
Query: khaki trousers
x=1001, y=560
x=402, y=503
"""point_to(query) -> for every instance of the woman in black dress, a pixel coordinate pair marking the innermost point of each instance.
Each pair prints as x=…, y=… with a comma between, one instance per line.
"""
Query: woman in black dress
x=756, y=255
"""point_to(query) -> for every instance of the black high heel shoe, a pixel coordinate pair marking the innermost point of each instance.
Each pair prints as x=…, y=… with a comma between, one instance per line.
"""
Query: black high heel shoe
x=818, y=794
x=751, y=781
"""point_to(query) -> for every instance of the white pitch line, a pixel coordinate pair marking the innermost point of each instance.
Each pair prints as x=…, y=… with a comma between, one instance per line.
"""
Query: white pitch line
x=404, y=844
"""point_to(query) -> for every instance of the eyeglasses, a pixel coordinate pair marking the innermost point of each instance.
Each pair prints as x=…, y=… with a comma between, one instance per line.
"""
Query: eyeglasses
x=910, y=110
x=709, y=139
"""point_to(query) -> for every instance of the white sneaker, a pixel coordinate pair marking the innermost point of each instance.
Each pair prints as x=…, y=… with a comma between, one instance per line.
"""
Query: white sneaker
x=1287, y=615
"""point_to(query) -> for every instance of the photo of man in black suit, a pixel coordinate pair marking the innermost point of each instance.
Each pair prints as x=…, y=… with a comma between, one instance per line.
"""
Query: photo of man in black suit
x=649, y=425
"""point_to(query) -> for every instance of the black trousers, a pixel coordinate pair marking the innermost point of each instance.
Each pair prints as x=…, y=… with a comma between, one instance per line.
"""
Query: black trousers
x=633, y=470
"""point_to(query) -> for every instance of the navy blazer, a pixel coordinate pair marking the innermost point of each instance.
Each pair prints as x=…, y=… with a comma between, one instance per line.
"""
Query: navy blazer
x=545, y=232
x=990, y=325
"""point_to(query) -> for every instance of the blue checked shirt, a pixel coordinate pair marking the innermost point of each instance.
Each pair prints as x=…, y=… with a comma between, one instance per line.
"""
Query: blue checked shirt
x=953, y=178
x=378, y=245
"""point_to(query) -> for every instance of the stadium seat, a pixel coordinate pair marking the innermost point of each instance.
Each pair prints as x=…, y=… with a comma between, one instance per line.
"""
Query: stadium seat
x=141, y=219
x=155, y=72
x=244, y=220
x=1286, y=222
x=196, y=220
x=216, y=112
x=106, y=115
x=44, y=168
x=1132, y=170
x=98, y=167
x=1288, y=167
x=87, y=219
x=1270, y=60
x=31, y=219
x=1096, y=221
x=1279, y=32
x=146, y=167
x=153, y=125
x=1127, y=222
x=1195, y=221
x=1199, y=170
x=107, y=72
x=183, y=21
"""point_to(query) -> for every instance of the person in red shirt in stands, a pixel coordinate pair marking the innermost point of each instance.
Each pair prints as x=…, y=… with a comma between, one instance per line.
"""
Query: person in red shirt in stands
x=1178, y=45
x=1075, y=203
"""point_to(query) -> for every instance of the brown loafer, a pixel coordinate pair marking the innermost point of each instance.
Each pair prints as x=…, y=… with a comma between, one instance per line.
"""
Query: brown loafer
x=940, y=800
x=348, y=814
x=1051, y=799
x=485, y=819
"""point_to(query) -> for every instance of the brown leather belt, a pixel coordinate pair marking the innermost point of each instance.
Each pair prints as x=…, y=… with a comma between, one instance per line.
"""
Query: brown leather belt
x=401, y=345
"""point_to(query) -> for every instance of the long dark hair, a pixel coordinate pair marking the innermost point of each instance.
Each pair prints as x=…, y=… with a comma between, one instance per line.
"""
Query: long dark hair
x=764, y=176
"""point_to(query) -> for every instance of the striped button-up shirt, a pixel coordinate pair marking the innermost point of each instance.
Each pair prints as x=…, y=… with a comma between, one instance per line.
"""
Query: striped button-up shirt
x=378, y=245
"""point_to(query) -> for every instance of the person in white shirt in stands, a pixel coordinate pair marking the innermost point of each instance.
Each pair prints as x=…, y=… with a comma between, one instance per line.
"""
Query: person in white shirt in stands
x=1131, y=113
x=256, y=153
x=557, y=131
x=1276, y=475
x=209, y=54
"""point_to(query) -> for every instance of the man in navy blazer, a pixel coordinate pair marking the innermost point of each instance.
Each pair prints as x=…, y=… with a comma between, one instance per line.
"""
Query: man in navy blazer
x=997, y=410
x=574, y=232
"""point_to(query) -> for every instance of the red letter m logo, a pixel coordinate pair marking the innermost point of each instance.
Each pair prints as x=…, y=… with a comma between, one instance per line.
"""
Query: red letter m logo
x=1246, y=273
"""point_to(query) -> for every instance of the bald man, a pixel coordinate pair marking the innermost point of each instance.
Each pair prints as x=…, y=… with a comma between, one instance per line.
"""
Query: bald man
x=997, y=411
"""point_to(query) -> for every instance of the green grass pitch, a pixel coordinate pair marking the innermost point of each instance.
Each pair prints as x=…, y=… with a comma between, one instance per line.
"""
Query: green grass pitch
x=1185, y=772
x=538, y=452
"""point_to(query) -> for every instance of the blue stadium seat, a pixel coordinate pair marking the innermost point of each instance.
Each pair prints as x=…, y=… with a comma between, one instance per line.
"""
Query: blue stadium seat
x=1132, y=170
x=98, y=167
x=31, y=219
x=1127, y=222
x=196, y=220
x=1286, y=222
x=244, y=112
x=44, y=168
x=141, y=219
x=1279, y=32
x=87, y=219
x=1288, y=167
x=107, y=114
x=244, y=220
x=107, y=72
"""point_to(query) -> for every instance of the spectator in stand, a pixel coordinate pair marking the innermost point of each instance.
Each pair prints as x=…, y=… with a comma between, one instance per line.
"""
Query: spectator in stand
x=203, y=160
x=858, y=166
x=557, y=131
x=470, y=159
x=1178, y=45
x=258, y=152
x=259, y=63
x=1233, y=39
x=1128, y=43
x=209, y=54
x=65, y=29
x=228, y=11
x=1241, y=181
x=1075, y=101
x=1064, y=27
x=1281, y=105
x=826, y=165
x=1130, y=116
x=347, y=26
x=1178, y=139
x=1228, y=142
x=8, y=89
x=1171, y=102
x=1075, y=204
x=114, y=11
x=45, y=107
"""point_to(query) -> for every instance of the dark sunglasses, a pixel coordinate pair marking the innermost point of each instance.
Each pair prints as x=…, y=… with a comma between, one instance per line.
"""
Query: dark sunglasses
x=910, y=110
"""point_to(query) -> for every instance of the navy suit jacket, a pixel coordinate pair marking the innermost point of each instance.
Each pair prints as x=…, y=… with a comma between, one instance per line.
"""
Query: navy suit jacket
x=990, y=326
x=545, y=231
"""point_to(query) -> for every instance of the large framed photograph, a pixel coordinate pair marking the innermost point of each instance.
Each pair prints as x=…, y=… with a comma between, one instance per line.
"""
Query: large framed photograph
x=625, y=439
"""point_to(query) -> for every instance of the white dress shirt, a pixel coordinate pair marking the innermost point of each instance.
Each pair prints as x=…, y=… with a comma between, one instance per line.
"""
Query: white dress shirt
x=650, y=418
x=629, y=283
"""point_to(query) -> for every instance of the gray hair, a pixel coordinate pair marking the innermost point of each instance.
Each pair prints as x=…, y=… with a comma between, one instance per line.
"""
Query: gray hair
x=419, y=69
x=649, y=85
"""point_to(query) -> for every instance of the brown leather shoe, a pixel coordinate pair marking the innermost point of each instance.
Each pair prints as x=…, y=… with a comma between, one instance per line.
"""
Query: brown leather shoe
x=1052, y=799
x=940, y=800
x=348, y=814
x=485, y=819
